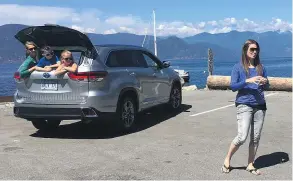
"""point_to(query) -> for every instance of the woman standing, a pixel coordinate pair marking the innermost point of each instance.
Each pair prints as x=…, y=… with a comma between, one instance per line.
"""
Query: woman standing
x=249, y=78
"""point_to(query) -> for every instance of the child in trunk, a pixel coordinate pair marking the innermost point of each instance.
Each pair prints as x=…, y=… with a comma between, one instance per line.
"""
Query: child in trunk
x=49, y=61
x=67, y=63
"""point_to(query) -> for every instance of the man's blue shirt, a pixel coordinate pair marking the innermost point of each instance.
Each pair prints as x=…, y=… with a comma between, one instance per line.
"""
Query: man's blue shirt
x=47, y=62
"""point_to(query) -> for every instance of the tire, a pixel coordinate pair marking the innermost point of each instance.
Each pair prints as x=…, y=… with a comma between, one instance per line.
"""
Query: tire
x=175, y=99
x=127, y=113
x=43, y=124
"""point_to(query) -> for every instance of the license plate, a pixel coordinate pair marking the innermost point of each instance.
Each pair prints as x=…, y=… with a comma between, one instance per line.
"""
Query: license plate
x=49, y=85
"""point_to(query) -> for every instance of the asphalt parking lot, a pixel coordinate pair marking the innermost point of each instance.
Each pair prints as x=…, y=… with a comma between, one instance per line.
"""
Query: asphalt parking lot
x=189, y=145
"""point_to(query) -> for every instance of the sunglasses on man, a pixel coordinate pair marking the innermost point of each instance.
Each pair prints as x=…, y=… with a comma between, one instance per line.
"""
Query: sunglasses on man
x=32, y=49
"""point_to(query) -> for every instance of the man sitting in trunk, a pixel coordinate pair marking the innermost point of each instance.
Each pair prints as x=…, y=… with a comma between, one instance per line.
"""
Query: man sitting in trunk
x=29, y=65
x=49, y=61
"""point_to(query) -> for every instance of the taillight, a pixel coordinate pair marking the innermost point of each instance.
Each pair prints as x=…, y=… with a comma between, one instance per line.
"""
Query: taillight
x=16, y=76
x=88, y=76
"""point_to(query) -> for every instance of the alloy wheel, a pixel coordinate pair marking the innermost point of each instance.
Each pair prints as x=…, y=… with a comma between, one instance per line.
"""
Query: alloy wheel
x=128, y=113
x=175, y=98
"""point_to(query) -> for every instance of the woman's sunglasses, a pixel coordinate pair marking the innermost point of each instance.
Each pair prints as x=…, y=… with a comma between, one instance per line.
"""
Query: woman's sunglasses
x=253, y=49
x=66, y=59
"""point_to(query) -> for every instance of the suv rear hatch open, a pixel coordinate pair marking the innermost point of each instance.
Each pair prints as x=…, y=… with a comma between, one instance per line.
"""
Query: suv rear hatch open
x=45, y=87
x=54, y=35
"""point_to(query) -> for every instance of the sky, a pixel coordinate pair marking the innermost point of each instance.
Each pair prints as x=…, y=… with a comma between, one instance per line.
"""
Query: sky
x=181, y=18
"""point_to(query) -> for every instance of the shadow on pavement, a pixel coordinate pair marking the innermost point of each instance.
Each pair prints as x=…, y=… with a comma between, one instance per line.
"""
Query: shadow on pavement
x=271, y=159
x=268, y=160
x=107, y=129
x=238, y=168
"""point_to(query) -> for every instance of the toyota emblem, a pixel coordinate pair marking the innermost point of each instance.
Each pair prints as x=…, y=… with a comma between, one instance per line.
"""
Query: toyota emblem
x=46, y=75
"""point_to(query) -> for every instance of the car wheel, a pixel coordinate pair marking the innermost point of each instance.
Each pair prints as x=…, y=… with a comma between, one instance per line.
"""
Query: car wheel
x=175, y=98
x=43, y=124
x=127, y=112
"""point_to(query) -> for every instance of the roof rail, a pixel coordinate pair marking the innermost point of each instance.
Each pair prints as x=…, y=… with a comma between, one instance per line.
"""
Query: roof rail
x=49, y=24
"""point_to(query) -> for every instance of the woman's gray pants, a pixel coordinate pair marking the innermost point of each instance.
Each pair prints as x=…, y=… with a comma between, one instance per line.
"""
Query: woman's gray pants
x=249, y=117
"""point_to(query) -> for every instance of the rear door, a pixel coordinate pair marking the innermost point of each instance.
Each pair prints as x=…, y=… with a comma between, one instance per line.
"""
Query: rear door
x=160, y=77
x=145, y=76
x=127, y=68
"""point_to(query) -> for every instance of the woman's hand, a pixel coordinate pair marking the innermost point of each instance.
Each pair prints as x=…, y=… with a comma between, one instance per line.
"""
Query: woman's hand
x=263, y=81
x=255, y=79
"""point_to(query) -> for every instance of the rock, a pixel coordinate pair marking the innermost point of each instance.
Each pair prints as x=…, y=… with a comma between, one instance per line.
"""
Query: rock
x=9, y=105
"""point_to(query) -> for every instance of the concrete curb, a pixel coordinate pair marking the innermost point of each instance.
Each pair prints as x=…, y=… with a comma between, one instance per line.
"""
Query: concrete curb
x=189, y=88
x=4, y=105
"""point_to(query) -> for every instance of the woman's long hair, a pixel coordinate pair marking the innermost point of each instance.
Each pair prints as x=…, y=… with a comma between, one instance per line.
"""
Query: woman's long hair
x=245, y=61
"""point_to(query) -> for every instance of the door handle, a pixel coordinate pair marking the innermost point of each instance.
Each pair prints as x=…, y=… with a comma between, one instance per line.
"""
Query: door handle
x=132, y=74
x=154, y=75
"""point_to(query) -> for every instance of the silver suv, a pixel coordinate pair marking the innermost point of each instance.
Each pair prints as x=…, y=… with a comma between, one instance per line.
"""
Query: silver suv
x=119, y=79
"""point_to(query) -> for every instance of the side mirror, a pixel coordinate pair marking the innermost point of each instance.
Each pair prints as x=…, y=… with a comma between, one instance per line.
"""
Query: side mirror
x=166, y=64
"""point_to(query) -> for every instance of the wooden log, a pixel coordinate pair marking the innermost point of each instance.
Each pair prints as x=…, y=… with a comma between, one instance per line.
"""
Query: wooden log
x=223, y=83
x=280, y=84
x=218, y=82
x=6, y=98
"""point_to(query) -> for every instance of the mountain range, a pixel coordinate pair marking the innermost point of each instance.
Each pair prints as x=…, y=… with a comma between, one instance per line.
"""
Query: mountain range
x=225, y=46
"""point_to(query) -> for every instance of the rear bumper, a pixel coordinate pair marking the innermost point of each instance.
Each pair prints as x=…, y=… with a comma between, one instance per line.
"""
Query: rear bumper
x=58, y=113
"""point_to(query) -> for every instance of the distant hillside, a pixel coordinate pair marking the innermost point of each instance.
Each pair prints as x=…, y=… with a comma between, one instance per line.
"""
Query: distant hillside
x=272, y=44
x=176, y=48
x=10, y=48
x=225, y=46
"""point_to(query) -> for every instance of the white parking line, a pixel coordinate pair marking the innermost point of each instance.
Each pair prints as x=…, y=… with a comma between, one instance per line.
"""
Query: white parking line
x=225, y=106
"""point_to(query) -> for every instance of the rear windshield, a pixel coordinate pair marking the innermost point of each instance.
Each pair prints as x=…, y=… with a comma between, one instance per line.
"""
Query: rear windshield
x=76, y=55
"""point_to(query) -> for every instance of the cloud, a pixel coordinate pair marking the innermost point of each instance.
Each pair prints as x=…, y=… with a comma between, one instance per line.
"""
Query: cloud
x=121, y=21
x=178, y=28
x=279, y=24
x=33, y=15
x=213, y=23
x=111, y=31
x=94, y=21
x=82, y=29
x=220, y=30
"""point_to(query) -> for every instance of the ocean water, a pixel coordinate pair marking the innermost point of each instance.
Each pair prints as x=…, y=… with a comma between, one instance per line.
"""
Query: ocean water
x=198, y=70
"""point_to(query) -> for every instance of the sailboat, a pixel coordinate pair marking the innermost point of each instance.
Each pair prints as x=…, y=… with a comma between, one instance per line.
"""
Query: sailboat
x=184, y=75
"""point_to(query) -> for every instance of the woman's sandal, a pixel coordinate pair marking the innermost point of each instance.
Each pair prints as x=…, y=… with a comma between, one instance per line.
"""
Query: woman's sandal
x=253, y=171
x=225, y=169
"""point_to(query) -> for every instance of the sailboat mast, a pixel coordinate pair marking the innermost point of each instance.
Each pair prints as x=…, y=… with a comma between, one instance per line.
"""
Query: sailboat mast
x=155, y=38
